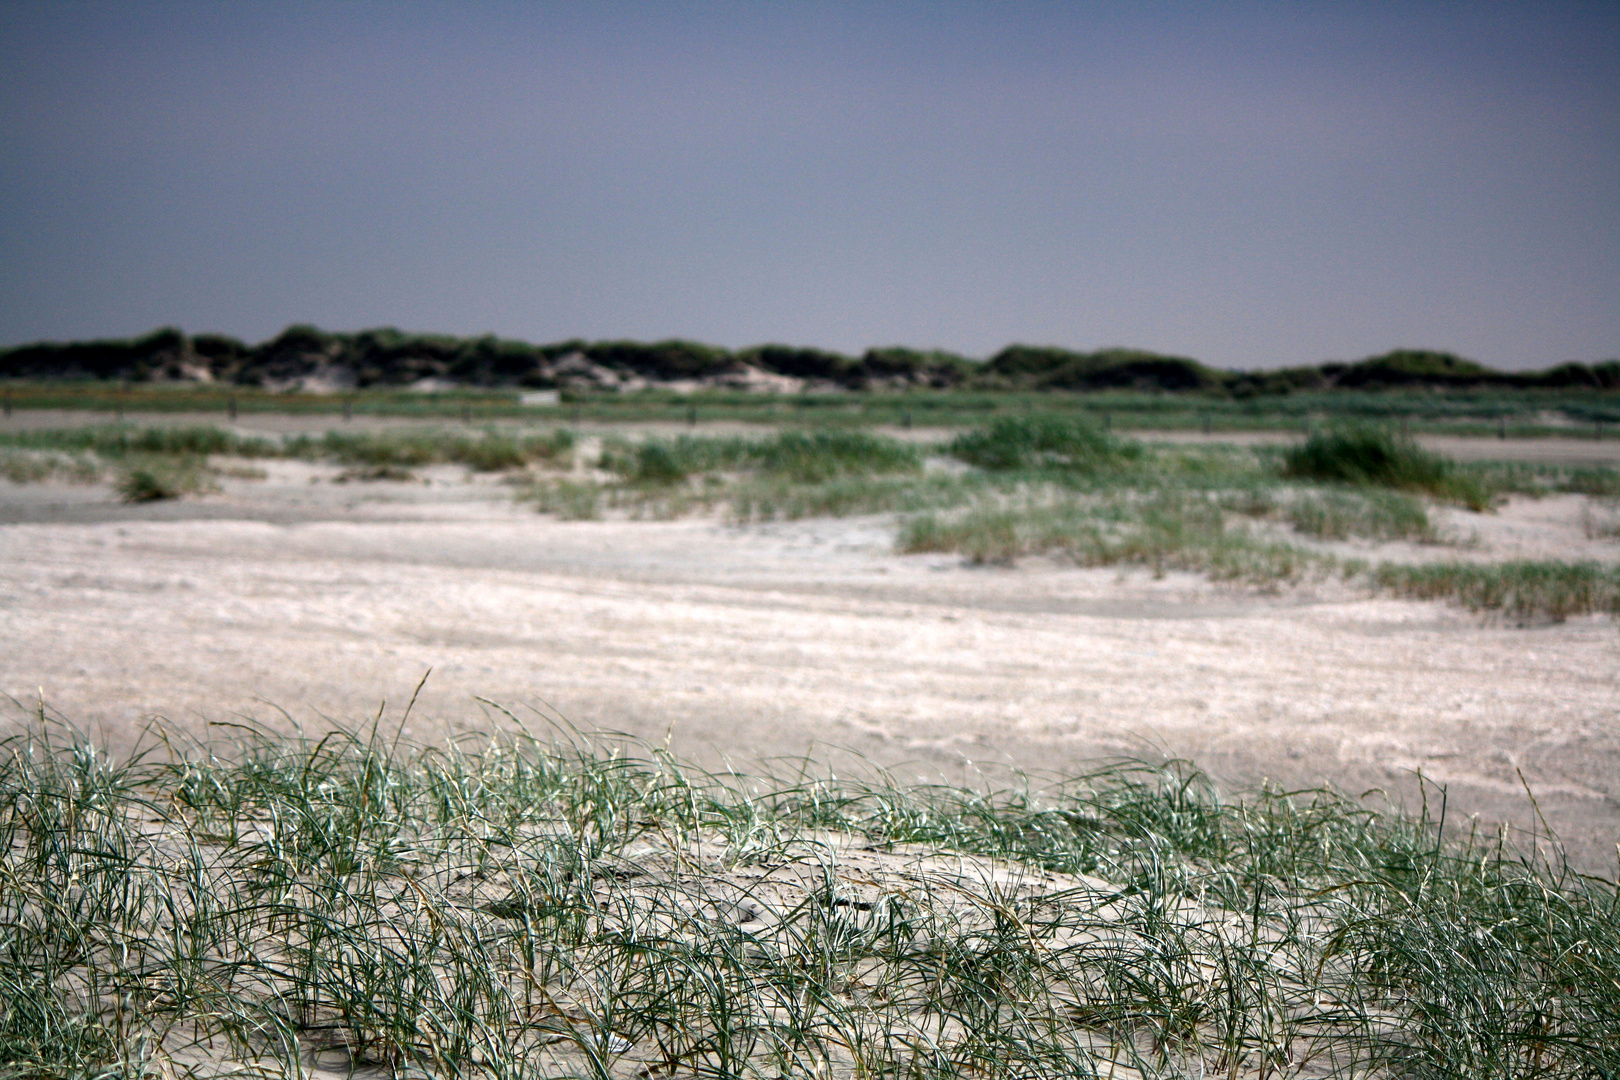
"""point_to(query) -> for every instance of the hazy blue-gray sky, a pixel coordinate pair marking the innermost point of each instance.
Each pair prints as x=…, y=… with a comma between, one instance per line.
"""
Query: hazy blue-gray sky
x=1250, y=184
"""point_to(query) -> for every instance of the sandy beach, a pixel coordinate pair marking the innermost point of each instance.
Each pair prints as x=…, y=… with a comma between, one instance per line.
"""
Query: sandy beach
x=297, y=600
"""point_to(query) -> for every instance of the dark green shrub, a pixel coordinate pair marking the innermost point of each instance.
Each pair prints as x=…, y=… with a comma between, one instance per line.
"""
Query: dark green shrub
x=658, y=463
x=145, y=485
x=1018, y=442
x=1373, y=457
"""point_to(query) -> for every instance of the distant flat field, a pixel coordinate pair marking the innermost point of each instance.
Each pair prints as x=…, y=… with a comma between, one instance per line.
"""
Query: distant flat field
x=297, y=599
x=1579, y=450
x=1572, y=450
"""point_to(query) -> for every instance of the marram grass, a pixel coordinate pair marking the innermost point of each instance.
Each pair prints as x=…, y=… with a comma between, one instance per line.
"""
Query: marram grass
x=509, y=906
x=1056, y=486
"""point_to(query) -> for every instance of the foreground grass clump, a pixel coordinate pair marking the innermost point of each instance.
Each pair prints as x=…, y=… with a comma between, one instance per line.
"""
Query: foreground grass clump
x=511, y=907
x=1373, y=457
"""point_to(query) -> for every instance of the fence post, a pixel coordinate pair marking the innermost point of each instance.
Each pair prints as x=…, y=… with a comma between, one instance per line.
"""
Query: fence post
x=1501, y=427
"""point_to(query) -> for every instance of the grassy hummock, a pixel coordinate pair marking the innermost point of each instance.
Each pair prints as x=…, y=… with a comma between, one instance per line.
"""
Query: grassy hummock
x=1018, y=442
x=514, y=906
x=1373, y=457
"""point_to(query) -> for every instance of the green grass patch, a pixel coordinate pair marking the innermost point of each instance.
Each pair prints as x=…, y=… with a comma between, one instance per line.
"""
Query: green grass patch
x=791, y=456
x=1521, y=589
x=1057, y=486
x=1373, y=457
x=1520, y=478
x=1169, y=529
x=1020, y=442
x=1459, y=410
x=1370, y=514
x=114, y=441
x=488, y=451
x=770, y=498
x=512, y=907
x=154, y=479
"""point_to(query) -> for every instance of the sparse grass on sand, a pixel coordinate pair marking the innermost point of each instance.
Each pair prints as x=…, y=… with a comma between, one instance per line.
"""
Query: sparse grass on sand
x=1520, y=589
x=1042, y=484
x=33, y=467
x=153, y=463
x=151, y=478
x=1169, y=529
x=793, y=456
x=488, y=450
x=510, y=906
x=491, y=450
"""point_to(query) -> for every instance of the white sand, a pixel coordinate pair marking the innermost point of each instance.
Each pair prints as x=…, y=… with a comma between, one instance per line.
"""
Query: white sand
x=741, y=644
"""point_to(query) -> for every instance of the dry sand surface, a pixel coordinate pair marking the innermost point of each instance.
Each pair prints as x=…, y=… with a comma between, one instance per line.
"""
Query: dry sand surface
x=744, y=643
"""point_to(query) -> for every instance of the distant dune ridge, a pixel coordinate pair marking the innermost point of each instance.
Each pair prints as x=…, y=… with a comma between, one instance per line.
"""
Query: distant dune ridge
x=308, y=359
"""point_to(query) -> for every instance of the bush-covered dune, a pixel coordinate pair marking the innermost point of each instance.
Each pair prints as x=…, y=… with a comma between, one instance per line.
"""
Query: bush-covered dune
x=305, y=356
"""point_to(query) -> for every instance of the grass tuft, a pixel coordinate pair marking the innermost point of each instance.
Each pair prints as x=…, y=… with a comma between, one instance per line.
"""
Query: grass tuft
x=1525, y=590
x=1169, y=529
x=510, y=907
x=1371, y=514
x=158, y=478
x=489, y=451
x=786, y=457
x=1373, y=457
x=1017, y=442
x=35, y=466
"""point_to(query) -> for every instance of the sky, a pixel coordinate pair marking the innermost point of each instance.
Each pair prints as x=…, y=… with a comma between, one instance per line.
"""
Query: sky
x=1249, y=184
